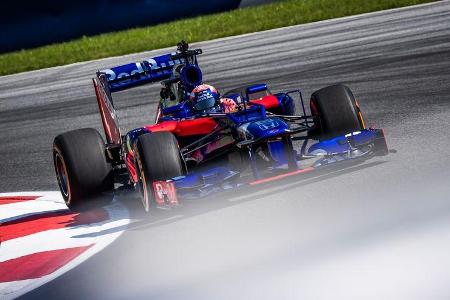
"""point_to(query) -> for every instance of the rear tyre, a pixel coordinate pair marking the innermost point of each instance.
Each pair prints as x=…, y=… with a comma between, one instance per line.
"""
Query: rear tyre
x=157, y=158
x=81, y=167
x=335, y=112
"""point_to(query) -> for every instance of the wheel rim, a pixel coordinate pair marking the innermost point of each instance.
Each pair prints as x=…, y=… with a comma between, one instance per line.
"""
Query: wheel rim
x=62, y=176
x=142, y=183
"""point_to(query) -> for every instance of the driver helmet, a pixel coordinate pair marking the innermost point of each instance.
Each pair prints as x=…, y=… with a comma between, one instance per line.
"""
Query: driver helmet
x=204, y=97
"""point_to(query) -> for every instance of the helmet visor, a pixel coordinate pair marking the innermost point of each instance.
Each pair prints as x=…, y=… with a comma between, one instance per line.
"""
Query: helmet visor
x=205, y=101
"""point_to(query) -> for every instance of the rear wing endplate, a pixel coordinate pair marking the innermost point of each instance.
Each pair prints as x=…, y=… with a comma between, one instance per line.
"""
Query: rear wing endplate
x=107, y=111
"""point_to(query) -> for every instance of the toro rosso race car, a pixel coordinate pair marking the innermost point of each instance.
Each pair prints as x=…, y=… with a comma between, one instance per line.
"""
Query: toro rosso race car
x=202, y=142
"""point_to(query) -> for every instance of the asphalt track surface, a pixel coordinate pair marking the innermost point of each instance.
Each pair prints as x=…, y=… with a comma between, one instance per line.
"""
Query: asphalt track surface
x=379, y=230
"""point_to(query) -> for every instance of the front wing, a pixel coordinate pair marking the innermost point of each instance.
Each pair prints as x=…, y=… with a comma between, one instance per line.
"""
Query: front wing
x=354, y=147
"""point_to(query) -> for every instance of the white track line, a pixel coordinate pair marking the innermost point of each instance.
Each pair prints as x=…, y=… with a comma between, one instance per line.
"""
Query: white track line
x=99, y=234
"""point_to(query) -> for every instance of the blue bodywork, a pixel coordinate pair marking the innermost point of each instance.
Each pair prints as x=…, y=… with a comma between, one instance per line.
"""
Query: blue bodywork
x=134, y=74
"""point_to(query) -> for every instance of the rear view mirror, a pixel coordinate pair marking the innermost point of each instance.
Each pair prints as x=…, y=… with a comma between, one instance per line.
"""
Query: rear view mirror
x=257, y=91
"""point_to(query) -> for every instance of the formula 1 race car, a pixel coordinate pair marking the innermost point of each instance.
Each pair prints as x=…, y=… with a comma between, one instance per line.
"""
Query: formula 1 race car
x=195, y=149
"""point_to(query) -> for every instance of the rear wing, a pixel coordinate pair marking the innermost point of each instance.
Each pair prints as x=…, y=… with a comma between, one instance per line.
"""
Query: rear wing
x=150, y=70
x=123, y=77
x=126, y=76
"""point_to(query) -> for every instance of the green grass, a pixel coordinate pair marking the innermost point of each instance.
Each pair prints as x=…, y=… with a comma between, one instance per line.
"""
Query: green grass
x=251, y=19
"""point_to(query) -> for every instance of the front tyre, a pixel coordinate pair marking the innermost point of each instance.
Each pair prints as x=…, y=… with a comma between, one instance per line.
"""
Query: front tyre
x=157, y=158
x=81, y=167
x=335, y=112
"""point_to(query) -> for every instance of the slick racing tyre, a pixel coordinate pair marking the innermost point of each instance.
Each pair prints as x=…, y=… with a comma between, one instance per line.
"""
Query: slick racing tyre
x=335, y=112
x=157, y=158
x=81, y=167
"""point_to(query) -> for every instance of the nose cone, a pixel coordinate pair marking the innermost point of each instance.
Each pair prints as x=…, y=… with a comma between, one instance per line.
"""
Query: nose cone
x=263, y=128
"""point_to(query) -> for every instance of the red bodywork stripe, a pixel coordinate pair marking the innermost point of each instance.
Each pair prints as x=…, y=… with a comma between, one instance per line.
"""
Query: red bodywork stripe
x=15, y=199
x=269, y=102
x=200, y=126
x=38, y=264
x=163, y=126
x=281, y=176
x=48, y=221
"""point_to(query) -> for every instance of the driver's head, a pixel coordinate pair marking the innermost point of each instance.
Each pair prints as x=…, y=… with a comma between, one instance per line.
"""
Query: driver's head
x=204, y=98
